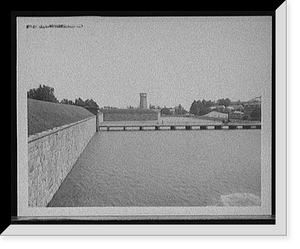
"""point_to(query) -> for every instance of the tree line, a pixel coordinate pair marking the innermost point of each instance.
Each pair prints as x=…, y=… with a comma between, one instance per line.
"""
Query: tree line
x=203, y=107
x=46, y=93
x=177, y=110
x=199, y=107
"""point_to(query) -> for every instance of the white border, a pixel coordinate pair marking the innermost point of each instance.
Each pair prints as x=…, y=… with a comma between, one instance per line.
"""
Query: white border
x=281, y=117
x=278, y=229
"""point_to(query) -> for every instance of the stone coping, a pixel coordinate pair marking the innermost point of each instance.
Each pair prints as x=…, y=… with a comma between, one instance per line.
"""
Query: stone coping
x=42, y=134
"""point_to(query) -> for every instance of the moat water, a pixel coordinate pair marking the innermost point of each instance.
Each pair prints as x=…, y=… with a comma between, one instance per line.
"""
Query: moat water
x=165, y=168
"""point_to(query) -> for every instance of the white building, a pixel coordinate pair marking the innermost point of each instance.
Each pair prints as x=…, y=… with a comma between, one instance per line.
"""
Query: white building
x=215, y=114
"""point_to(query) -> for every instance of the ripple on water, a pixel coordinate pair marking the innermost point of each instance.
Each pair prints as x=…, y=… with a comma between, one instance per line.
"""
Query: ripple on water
x=240, y=199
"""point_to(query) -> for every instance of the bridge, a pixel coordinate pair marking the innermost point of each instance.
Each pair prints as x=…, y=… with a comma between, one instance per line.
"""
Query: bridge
x=128, y=127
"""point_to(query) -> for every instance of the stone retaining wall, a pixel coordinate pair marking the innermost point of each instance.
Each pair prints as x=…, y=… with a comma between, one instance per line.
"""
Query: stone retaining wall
x=51, y=156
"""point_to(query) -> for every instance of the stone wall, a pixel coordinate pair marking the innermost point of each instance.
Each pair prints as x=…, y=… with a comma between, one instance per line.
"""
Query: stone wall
x=130, y=116
x=51, y=155
x=100, y=117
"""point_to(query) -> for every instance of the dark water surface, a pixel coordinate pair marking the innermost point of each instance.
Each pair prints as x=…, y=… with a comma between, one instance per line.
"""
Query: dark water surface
x=166, y=168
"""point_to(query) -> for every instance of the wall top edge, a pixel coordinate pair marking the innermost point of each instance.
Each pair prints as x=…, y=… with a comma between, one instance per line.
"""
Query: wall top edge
x=42, y=134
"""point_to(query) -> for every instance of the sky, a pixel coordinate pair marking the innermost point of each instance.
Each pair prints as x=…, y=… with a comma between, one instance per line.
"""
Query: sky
x=175, y=60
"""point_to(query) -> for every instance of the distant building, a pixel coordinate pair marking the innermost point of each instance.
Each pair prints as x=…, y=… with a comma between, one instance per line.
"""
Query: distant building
x=168, y=111
x=236, y=115
x=229, y=109
x=239, y=108
x=218, y=108
x=173, y=110
x=233, y=108
x=215, y=114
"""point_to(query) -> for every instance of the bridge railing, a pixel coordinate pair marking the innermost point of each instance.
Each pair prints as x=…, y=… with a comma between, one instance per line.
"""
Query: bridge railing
x=176, y=127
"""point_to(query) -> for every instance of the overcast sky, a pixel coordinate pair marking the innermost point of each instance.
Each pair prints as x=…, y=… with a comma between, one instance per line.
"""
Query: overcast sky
x=173, y=59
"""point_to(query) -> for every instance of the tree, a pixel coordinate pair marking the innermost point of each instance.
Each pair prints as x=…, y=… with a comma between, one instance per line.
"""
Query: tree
x=199, y=107
x=65, y=101
x=91, y=103
x=202, y=107
x=44, y=93
x=194, y=108
x=151, y=106
x=88, y=104
x=226, y=102
x=256, y=113
x=166, y=111
x=79, y=102
x=179, y=110
x=209, y=103
x=238, y=102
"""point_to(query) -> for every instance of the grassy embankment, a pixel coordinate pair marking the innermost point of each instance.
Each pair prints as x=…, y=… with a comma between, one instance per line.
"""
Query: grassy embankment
x=43, y=116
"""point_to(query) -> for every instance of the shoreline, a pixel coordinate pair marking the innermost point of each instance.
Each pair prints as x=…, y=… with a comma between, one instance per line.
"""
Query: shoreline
x=174, y=121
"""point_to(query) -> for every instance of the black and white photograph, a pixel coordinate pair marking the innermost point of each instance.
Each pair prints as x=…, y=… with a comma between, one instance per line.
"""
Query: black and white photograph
x=146, y=118
x=177, y=103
